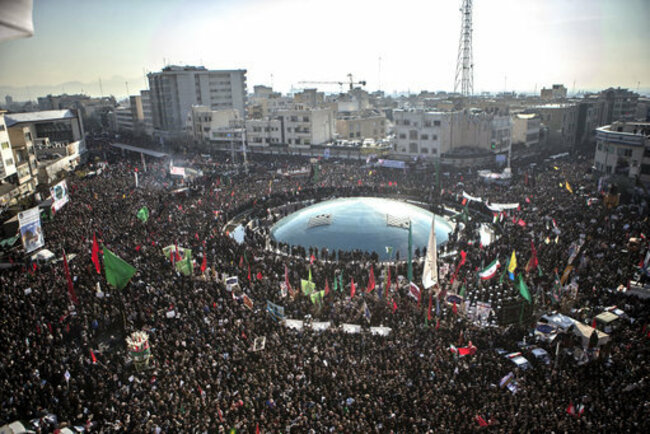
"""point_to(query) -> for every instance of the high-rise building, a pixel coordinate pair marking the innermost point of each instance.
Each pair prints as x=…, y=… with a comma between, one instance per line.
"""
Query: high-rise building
x=175, y=89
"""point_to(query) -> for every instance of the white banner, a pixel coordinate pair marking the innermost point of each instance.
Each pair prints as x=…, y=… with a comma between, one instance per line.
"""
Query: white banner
x=473, y=198
x=31, y=232
x=498, y=207
x=59, y=194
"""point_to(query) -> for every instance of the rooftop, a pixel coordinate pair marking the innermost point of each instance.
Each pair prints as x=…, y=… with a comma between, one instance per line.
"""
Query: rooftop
x=43, y=116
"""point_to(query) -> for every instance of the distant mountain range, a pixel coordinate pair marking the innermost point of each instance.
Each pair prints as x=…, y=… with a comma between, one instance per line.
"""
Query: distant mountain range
x=115, y=86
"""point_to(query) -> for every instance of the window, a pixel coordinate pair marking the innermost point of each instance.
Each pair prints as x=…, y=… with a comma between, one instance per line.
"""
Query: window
x=9, y=162
x=401, y=136
x=425, y=151
x=646, y=152
x=424, y=137
x=627, y=153
x=407, y=122
x=305, y=118
x=28, y=136
x=436, y=123
x=427, y=123
x=434, y=151
x=2, y=127
x=413, y=148
x=645, y=169
x=413, y=135
x=5, y=145
x=434, y=137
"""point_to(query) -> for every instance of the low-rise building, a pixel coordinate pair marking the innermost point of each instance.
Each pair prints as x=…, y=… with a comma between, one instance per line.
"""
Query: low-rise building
x=203, y=123
x=623, y=148
x=368, y=125
x=557, y=91
x=430, y=134
x=560, y=121
x=525, y=129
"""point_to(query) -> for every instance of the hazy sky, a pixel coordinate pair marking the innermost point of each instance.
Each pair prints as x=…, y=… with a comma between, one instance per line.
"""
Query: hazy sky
x=597, y=43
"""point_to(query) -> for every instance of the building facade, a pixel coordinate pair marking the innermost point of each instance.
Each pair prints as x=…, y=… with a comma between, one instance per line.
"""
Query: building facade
x=620, y=105
x=525, y=129
x=175, y=89
x=359, y=127
x=623, y=148
x=557, y=91
x=560, y=121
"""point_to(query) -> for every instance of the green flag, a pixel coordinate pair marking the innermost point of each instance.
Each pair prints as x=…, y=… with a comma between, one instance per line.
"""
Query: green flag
x=310, y=279
x=317, y=296
x=410, y=258
x=118, y=272
x=341, y=281
x=336, y=284
x=462, y=291
x=539, y=270
x=523, y=290
x=185, y=265
x=143, y=214
x=307, y=286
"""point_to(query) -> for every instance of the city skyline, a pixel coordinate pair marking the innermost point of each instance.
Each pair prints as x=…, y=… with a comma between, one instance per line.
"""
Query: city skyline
x=518, y=45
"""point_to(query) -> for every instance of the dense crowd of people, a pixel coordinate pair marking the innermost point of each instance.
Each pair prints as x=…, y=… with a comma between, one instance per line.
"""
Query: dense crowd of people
x=204, y=375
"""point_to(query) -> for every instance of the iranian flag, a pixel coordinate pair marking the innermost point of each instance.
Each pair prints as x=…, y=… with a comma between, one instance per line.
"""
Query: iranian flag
x=490, y=271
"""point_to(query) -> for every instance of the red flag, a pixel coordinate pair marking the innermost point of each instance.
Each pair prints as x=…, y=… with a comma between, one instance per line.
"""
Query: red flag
x=463, y=257
x=138, y=247
x=241, y=261
x=454, y=308
x=204, y=262
x=394, y=305
x=534, y=262
x=177, y=257
x=327, y=287
x=259, y=275
x=437, y=323
x=92, y=357
x=429, y=311
x=481, y=421
x=95, y=255
x=464, y=201
x=249, y=272
x=220, y=414
x=312, y=258
x=352, y=289
x=257, y=428
x=593, y=323
x=66, y=269
x=371, y=280
x=571, y=409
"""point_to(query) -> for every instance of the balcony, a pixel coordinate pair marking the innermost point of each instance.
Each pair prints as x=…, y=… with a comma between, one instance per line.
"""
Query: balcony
x=23, y=173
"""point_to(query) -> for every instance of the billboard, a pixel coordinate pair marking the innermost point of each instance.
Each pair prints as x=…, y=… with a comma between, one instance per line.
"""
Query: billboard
x=31, y=232
x=59, y=194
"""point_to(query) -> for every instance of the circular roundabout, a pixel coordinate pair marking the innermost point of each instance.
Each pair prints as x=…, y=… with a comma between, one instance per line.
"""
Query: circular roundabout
x=369, y=224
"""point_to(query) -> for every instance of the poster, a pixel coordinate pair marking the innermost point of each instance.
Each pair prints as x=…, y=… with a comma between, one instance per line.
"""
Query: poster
x=31, y=232
x=59, y=194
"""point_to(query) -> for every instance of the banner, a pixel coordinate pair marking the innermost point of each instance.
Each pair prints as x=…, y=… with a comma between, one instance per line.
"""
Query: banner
x=276, y=311
x=31, y=231
x=59, y=194
x=498, y=207
x=471, y=198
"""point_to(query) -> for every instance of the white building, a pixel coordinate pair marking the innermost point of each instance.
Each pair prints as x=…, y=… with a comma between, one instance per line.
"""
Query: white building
x=263, y=132
x=430, y=134
x=175, y=89
x=525, y=129
x=7, y=163
x=623, y=148
x=302, y=127
x=561, y=120
x=147, y=118
x=203, y=123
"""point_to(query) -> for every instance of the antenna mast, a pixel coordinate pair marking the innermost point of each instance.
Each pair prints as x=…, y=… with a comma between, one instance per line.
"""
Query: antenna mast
x=464, y=80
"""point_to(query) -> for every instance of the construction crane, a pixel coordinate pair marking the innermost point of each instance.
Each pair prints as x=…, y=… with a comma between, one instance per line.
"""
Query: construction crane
x=350, y=81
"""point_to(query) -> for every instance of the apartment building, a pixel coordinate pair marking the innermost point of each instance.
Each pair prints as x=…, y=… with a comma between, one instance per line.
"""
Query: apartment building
x=175, y=89
x=369, y=125
x=525, y=129
x=561, y=121
x=623, y=148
